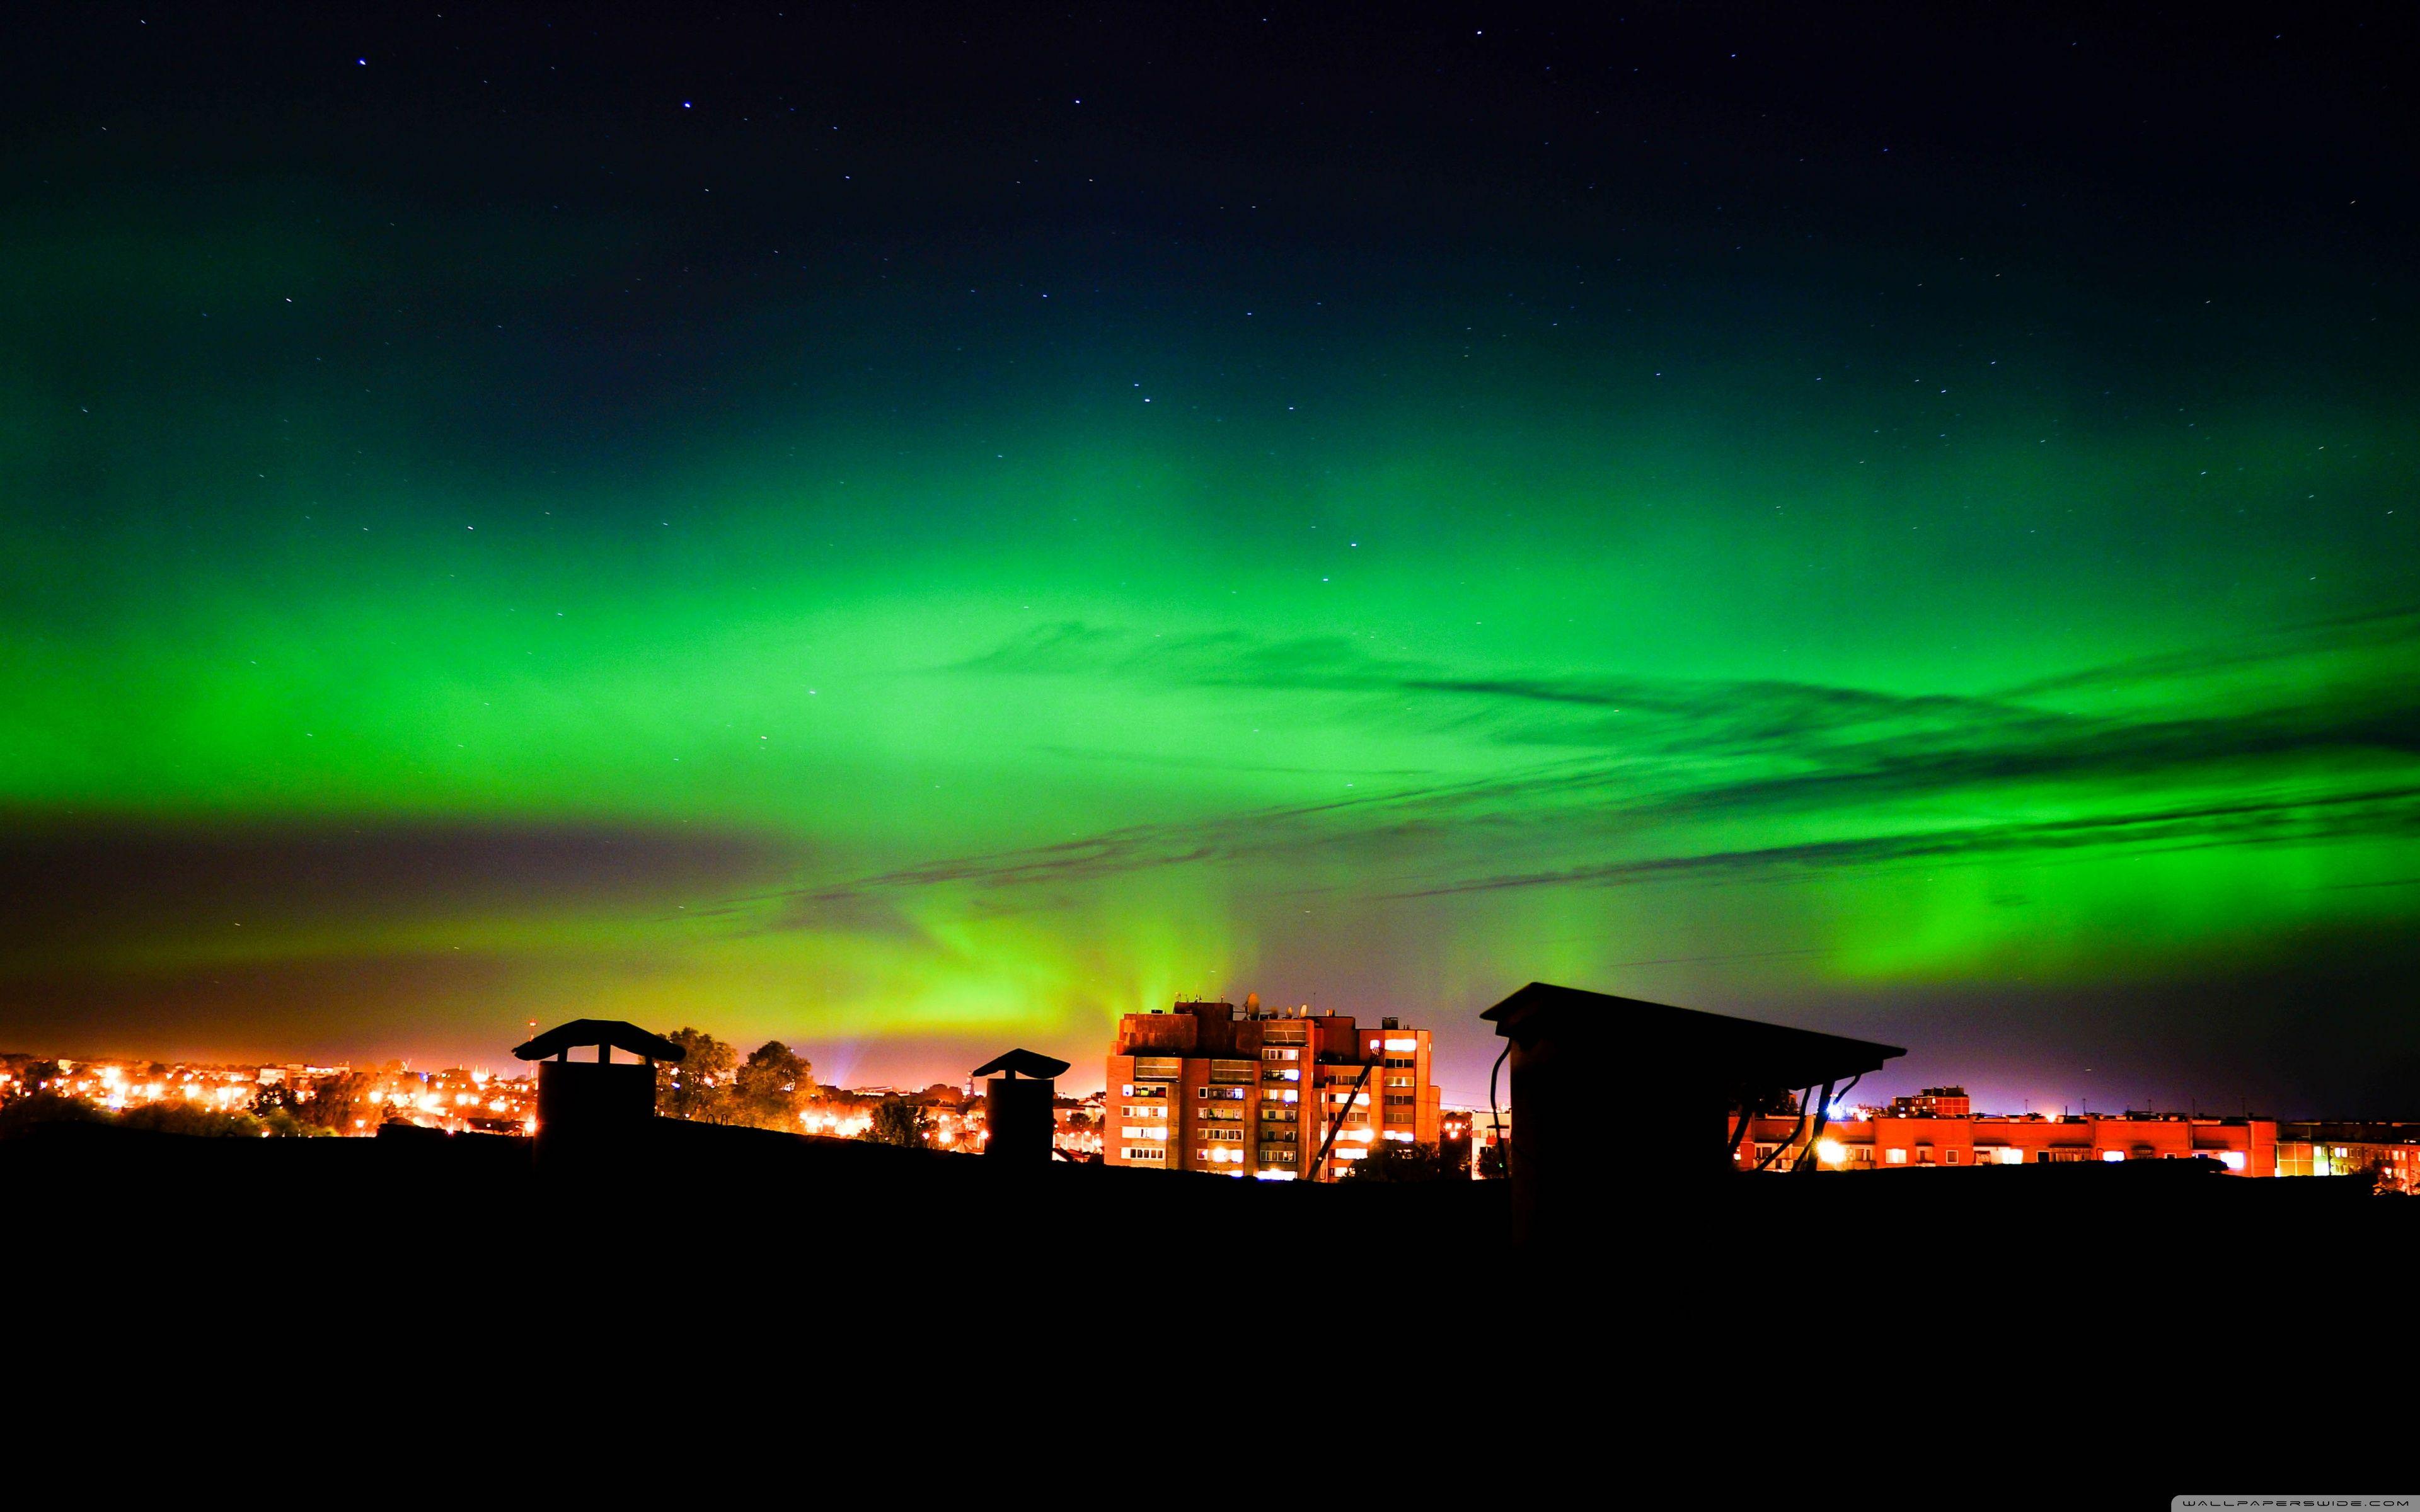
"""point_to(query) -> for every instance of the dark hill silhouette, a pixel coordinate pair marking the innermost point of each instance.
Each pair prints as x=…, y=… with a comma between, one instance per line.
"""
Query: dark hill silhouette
x=2105, y=1334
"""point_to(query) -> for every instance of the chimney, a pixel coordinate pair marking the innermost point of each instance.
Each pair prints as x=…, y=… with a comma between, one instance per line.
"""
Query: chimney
x=590, y=1107
x=1019, y=1120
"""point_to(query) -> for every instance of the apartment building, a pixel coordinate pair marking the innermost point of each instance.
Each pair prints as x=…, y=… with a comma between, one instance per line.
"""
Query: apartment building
x=1200, y=1087
x=1934, y=1103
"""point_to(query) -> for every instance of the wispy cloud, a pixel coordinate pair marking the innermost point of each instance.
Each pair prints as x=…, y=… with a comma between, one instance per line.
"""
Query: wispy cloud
x=1660, y=776
x=2394, y=812
x=2385, y=628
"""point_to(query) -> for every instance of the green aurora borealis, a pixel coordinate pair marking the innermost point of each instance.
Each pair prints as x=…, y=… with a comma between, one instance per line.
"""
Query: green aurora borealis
x=914, y=611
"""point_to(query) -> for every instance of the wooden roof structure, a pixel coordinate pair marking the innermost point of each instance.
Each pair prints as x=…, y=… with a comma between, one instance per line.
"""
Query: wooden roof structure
x=1023, y=1063
x=563, y=1038
x=1747, y=1049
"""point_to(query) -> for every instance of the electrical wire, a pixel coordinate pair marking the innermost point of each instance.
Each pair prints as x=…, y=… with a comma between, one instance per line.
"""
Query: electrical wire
x=1822, y=1118
x=1494, y=1114
x=1798, y=1129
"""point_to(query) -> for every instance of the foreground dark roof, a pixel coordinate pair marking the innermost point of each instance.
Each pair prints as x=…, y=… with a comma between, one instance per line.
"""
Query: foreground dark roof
x=1023, y=1063
x=1745, y=1047
x=621, y=1036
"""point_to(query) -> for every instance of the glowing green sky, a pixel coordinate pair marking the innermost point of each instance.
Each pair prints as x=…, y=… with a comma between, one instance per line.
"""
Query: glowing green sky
x=454, y=583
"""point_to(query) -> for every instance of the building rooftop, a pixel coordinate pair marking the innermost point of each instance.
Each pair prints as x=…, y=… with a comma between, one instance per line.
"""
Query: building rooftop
x=615, y=1032
x=1041, y=1068
x=1745, y=1048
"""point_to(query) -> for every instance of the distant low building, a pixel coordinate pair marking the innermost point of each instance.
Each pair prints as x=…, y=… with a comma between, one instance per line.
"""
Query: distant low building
x=1076, y=1125
x=1883, y=1140
x=1491, y=1138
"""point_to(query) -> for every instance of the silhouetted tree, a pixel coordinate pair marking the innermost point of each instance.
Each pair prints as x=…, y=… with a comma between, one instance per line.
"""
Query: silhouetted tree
x=336, y=1101
x=276, y=1098
x=769, y=1086
x=1393, y=1160
x=897, y=1122
x=37, y=1108
x=1490, y=1162
x=699, y=1086
x=36, y=1074
x=176, y=1119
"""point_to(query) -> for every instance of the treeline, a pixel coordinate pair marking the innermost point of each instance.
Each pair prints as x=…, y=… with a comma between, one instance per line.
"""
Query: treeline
x=713, y=1085
x=771, y=1089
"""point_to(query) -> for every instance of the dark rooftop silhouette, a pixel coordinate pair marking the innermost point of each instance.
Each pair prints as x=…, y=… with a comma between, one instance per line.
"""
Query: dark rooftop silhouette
x=1670, y=1287
x=1677, y=1071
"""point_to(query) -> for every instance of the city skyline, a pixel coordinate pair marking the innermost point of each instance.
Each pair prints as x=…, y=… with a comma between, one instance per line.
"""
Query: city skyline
x=911, y=540
x=905, y=1067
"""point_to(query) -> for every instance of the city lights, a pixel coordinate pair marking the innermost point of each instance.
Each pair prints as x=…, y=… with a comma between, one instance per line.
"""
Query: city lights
x=1937, y=1129
x=295, y=1098
x=1236, y=1128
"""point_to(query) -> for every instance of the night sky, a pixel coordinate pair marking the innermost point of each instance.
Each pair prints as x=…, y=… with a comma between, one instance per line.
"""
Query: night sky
x=913, y=533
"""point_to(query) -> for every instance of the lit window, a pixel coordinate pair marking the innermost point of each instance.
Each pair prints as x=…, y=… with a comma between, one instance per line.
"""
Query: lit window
x=2113, y=1154
x=1402, y=1045
x=2232, y=1159
x=1894, y=1157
